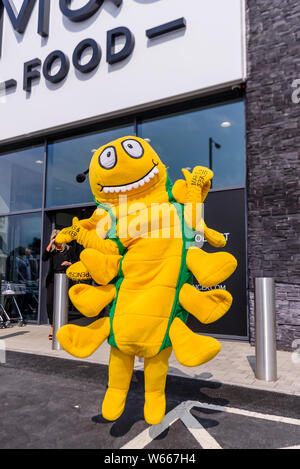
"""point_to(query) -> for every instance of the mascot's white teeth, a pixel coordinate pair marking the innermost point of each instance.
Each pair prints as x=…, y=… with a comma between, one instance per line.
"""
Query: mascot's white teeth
x=133, y=185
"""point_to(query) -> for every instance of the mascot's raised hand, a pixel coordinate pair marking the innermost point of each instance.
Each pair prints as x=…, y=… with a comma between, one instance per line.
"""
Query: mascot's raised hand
x=139, y=249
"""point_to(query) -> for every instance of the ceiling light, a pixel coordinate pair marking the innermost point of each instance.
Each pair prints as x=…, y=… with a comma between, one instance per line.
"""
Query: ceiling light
x=226, y=124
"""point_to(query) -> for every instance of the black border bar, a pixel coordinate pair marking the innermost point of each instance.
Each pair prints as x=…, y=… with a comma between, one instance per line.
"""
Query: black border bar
x=166, y=28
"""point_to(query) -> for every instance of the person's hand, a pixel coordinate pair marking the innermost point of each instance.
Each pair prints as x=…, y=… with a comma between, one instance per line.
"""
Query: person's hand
x=66, y=263
x=50, y=244
x=70, y=233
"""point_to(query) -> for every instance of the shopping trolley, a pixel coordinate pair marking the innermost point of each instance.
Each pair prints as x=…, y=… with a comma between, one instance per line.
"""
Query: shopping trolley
x=32, y=290
x=4, y=318
x=10, y=291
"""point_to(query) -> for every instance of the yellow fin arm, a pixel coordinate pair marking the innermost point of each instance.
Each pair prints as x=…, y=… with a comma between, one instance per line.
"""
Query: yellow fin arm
x=87, y=238
x=91, y=223
x=90, y=239
x=81, y=341
x=192, y=349
x=214, y=238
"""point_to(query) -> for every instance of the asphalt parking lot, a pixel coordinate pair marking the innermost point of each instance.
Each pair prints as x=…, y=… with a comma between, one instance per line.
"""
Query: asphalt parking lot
x=55, y=403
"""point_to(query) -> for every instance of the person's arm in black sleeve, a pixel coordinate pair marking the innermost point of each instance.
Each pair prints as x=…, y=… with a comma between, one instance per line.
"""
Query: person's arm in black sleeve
x=46, y=255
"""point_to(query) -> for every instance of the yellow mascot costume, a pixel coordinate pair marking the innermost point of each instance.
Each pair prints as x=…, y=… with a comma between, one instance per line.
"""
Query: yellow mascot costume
x=139, y=249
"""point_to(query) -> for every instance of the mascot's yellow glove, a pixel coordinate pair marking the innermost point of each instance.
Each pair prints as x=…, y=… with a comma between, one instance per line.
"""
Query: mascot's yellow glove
x=71, y=233
x=99, y=221
x=192, y=192
x=198, y=184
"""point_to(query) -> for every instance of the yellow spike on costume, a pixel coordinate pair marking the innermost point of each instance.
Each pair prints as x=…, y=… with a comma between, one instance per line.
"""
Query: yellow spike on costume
x=102, y=267
x=210, y=269
x=81, y=342
x=155, y=371
x=120, y=372
x=89, y=300
x=207, y=306
x=192, y=349
x=214, y=238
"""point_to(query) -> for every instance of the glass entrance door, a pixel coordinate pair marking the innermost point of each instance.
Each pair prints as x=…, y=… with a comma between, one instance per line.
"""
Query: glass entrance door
x=20, y=238
x=58, y=220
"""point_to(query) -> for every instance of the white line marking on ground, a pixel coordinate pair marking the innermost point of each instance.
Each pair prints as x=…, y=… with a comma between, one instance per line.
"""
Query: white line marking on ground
x=205, y=440
x=181, y=412
x=247, y=413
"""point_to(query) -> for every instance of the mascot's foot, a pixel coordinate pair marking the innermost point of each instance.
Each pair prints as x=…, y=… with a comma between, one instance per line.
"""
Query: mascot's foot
x=81, y=342
x=207, y=306
x=114, y=403
x=192, y=349
x=210, y=269
x=89, y=300
x=155, y=407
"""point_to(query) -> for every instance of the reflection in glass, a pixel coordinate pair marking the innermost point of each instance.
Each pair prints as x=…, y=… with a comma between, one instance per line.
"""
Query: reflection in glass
x=21, y=180
x=182, y=141
x=20, y=240
x=67, y=158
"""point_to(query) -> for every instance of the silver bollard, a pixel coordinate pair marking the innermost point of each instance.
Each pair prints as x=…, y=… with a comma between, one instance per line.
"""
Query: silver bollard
x=60, y=306
x=265, y=325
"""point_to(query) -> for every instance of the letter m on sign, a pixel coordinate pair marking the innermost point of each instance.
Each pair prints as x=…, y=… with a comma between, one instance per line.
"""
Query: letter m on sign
x=19, y=20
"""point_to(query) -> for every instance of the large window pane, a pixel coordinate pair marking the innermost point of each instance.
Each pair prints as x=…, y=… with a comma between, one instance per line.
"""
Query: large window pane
x=70, y=157
x=21, y=180
x=20, y=240
x=183, y=141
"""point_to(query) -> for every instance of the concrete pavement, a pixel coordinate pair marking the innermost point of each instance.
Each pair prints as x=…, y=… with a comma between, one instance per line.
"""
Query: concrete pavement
x=234, y=365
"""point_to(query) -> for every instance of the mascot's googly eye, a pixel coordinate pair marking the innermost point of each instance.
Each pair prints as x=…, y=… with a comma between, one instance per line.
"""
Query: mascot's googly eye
x=133, y=148
x=108, y=158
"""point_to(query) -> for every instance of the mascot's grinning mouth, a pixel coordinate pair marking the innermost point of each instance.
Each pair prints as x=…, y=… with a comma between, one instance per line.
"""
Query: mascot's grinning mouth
x=133, y=185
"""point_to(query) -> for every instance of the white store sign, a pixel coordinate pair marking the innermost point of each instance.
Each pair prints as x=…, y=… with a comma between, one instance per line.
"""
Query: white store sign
x=134, y=64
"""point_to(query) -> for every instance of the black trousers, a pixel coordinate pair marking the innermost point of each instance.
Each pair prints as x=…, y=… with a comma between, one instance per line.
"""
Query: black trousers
x=50, y=294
